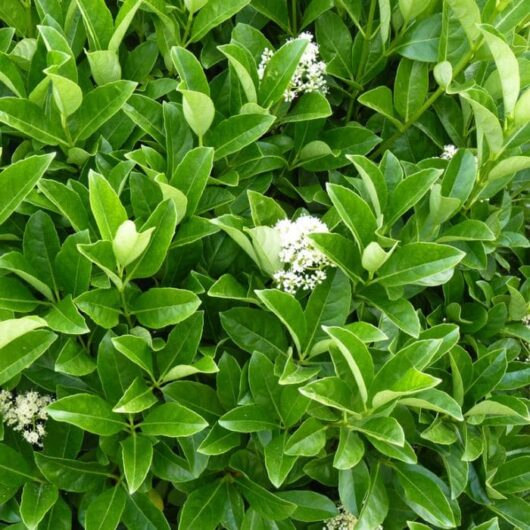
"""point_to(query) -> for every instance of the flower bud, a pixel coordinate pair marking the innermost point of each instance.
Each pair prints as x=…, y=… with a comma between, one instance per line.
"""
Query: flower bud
x=374, y=256
x=194, y=5
x=443, y=73
x=128, y=244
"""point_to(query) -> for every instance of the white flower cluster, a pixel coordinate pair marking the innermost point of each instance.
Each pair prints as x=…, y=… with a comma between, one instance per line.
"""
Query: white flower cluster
x=448, y=152
x=526, y=320
x=26, y=413
x=305, y=264
x=309, y=74
x=344, y=521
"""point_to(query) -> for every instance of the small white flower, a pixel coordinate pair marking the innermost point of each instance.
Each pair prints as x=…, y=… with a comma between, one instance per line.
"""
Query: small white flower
x=343, y=521
x=526, y=320
x=26, y=413
x=309, y=75
x=304, y=263
x=448, y=152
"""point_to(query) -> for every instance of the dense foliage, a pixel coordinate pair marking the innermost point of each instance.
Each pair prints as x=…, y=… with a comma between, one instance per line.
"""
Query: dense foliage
x=263, y=264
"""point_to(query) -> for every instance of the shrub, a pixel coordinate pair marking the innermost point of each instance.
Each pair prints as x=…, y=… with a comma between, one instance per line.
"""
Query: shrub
x=263, y=264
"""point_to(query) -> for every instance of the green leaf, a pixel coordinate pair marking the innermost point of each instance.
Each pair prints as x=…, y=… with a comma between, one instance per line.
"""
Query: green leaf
x=355, y=214
x=98, y=22
x=106, y=206
x=137, y=398
x=513, y=476
x=419, y=263
x=29, y=118
x=487, y=122
x=275, y=10
x=254, y=330
x=401, y=312
x=20, y=178
x=424, y=495
x=349, y=451
x=410, y=87
x=16, y=263
x=104, y=511
x=67, y=201
x=189, y=70
x=408, y=193
x=15, y=296
x=436, y=400
x=161, y=306
x=137, y=454
x=357, y=357
x=332, y=392
x=141, y=513
x=507, y=66
x=72, y=269
x=87, y=411
x=123, y=19
x=173, y=420
x=23, y=351
x=41, y=245
x=15, y=470
x=375, y=505
x=307, y=440
x=373, y=180
x=99, y=105
x=460, y=175
x=213, y=14
x=310, y=506
x=191, y=175
x=72, y=475
x=13, y=328
x=243, y=63
x=401, y=375
x=382, y=428
x=514, y=510
x=267, y=504
x=101, y=305
x=380, y=100
x=64, y=318
x=288, y=310
x=219, y=441
x=277, y=463
x=279, y=72
x=328, y=305
x=164, y=221
x=235, y=133
x=341, y=251
x=468, y=14
x=311, y=106
x=74, y=360
x=204, y=507
x=67, y=95
x=136, y=350
x=248, y=418
x=199, y=111
x=37, y=500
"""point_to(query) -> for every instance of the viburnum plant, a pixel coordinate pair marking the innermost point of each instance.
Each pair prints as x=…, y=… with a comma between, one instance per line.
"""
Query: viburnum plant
x=264, y=264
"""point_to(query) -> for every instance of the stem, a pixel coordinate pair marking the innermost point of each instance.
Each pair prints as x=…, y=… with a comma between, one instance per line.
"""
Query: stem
x=426, y=106
x=294, y=22
x=367, y=40
x=121, y=290
x=187, y=29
